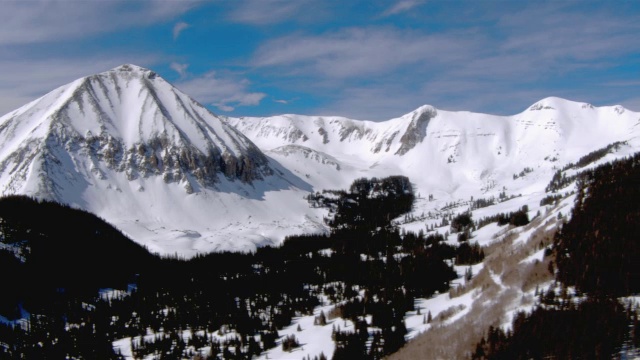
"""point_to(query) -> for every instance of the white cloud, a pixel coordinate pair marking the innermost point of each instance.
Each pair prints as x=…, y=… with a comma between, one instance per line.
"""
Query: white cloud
x=178, y=28
x=226, y=108
x=265, y=12
x=524, y=51
x=181, y=69
x=37, y=21
x=401, y=6
x=357, y=52
x=391, y=100
x=372, y=103
x=281, y=101
x=226, y=91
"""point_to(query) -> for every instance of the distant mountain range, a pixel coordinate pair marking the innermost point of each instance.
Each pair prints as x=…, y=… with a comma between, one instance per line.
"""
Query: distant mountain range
x=129, y=147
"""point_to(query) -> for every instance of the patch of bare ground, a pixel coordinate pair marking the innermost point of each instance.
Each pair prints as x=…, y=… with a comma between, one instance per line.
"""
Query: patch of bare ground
x=506, y=282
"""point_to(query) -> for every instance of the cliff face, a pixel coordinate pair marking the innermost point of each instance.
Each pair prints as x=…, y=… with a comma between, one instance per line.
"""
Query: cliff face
x=417, y=129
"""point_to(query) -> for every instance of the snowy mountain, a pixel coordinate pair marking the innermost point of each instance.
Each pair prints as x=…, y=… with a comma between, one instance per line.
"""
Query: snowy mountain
x=128, y=146
x=134, y=122
x=452, y=155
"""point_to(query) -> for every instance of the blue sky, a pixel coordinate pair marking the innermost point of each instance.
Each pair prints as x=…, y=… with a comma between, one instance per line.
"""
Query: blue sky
x=371, y=59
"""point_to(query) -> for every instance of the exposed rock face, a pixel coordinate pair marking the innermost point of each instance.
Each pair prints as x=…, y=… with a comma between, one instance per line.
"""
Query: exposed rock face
x=417, y=130
x=353, y=130
x=160, y=157
x=387, y=142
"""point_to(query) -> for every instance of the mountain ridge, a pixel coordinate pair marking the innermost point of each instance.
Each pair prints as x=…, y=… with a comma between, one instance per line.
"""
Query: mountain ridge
x=129, y=147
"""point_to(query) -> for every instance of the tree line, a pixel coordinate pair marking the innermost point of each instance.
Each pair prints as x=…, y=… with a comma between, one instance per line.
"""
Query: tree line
x=234, y=305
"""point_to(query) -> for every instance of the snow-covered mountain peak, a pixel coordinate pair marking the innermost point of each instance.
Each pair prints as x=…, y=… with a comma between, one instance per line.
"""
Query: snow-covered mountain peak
x=550, y=103
x=132, y=121
x=420, y=110
x=129, y=71
x=571, y=107
x=129, y=68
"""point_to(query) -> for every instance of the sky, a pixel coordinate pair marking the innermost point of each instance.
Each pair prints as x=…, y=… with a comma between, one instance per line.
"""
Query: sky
x=368, y=60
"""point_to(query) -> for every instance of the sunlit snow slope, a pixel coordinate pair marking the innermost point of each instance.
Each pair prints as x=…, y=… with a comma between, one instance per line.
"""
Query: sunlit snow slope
x=129, y=147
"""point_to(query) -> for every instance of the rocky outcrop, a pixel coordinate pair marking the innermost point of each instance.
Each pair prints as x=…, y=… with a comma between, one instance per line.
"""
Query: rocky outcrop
x=417, y=129
x=173, y=162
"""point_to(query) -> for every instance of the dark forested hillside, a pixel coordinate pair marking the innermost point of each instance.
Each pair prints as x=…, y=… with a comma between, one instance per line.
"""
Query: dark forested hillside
x=369, y=203
x=598, y=253
x=232, y=304
x=598, y=250
x=49, y=246
x=594, y=329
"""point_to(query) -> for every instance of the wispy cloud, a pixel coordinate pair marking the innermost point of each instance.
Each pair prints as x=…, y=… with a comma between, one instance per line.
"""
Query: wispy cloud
x=550, y=35
x=622, y=83
x=269, y=12
x=181, y=69
x=224, y=91
x=358, y=52
x=372, y=102
x=402, y=6
x=179, y=28
x=37, y=21
x=263, y=12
